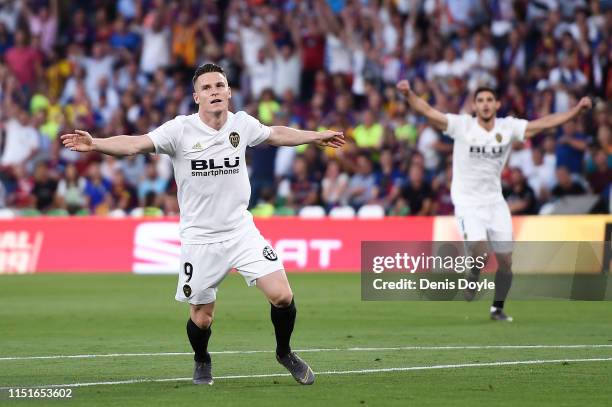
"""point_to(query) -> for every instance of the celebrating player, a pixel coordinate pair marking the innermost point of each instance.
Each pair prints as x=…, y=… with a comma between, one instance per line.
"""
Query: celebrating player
x=217, y=231
x=482, y=146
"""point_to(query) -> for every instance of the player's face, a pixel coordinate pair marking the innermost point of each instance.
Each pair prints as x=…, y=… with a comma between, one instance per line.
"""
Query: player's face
x=486, y=106
x=212, y=93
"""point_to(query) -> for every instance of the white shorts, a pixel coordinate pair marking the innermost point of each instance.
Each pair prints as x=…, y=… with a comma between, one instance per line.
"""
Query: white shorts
x=491, y=222
x=204, y=266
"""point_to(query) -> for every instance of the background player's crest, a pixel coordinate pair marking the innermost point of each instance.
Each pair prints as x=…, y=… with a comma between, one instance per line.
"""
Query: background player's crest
x=187, y=290
x=498, y=137
x=234, y=139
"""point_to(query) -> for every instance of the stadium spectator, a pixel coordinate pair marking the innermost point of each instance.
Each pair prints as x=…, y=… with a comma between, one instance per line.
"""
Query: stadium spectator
x=387, y=178
x=79, y=31
x=20, y=194
x=601, y=177
x=431, y=147
x=604, y=139
x=416, y=192
x=184, y=38
x=6, y=39
x=97, y=67
x=480, y=62
x=519, y=195
x=565, y=79
x=369, y=133
x=70, y=193
x=109, y=166
x=20, y=139
x=9, y=14
x=265, y=206
x=286, y=69
x=133, y=168
x=24, y=61
x=44, y=187
x=151, y=182
x=43, y=22
x=97, y=189
x=261, y=73
x=361, y=186
x=263, y=158
x=448, y=68
x=311, y=47
x=123, y=37
x=565, y=185
x=156, y=41
x=299, y=189
x=232, y=64
x=333, y=185
x=123, y=195
x=571, y=146
x=442, y=203
x=542, y=178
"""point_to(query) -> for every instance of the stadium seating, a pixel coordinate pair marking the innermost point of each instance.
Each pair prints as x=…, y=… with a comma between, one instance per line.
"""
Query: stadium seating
x=6, y=213
x=371, y=212
x=312, y=212
x=342, y=212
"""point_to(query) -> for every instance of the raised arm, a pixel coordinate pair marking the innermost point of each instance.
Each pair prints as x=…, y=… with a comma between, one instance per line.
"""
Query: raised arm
x=119, y=146
x=326, y=18
x=435, y=117
x=270, y=39
x=556, y=119
x=287, y=136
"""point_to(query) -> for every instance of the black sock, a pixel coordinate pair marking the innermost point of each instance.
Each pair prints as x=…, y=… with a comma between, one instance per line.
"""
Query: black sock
x=199, y=341
x=503, y=281
x=283, y=320
x=498, y=304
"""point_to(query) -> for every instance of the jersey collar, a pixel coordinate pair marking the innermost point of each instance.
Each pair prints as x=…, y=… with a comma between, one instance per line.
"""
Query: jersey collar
x=209, y=129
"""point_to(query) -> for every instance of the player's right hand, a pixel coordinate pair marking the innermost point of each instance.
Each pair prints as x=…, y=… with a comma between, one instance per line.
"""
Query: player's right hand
x=80, y=141
x=585, y=104
x=404, y=87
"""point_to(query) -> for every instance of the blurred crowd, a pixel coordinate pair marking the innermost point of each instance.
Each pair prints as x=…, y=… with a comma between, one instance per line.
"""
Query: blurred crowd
x=125, y=67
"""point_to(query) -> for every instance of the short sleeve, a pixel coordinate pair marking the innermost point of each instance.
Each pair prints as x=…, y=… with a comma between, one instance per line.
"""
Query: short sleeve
x=257, y=133
x=517, y=128
x=164, y=137
x=457, y=124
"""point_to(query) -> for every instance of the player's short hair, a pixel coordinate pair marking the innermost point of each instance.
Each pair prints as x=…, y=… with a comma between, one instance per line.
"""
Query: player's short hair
x=206, y=68
x=485, y=89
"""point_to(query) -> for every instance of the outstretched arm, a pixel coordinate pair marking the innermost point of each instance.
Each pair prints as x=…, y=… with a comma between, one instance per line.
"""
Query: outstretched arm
x=83, y=142
x=287, y=136
x=557, y=119
x=435, y=117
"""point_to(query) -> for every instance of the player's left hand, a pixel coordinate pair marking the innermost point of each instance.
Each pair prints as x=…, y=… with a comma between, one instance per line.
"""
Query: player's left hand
x=585, y=104
x=331, y=138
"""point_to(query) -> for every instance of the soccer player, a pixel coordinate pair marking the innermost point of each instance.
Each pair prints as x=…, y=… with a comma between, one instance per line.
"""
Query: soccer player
x=217, y=231
x=482, y=146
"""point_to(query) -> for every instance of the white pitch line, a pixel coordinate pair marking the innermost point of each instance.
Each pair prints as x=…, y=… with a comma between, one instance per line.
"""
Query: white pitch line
x=353, y=349
x=330, y=372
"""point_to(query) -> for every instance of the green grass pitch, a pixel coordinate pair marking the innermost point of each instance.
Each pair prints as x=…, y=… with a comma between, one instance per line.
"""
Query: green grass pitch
x=42, y=315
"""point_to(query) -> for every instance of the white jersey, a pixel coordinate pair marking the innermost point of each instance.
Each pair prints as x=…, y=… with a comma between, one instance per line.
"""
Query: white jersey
x=211, y=173
x=479, y=157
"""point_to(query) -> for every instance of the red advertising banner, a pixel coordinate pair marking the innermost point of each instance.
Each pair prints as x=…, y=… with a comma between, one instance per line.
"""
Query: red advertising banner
x=96, y=244
x=152, y=245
